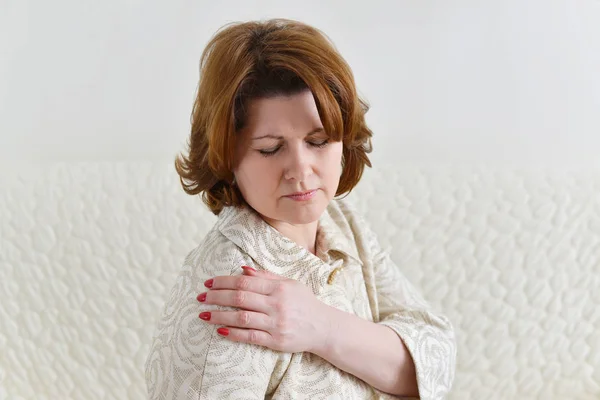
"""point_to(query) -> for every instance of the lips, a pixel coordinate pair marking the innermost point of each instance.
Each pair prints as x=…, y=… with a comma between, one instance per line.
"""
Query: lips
x=302, y=196
x=300, y=193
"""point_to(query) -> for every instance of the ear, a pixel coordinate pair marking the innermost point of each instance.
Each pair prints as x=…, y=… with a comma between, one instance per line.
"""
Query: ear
x=261, y=274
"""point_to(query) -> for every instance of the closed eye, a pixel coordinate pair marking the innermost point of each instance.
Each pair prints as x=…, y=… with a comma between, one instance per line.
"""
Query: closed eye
x=320, y=144
x=270, y=152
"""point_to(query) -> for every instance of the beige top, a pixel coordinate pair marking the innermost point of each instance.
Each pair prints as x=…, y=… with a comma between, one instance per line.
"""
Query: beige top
x=189, y=360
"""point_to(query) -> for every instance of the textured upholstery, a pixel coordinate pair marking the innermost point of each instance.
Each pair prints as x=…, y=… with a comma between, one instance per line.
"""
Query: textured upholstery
x=88, y=253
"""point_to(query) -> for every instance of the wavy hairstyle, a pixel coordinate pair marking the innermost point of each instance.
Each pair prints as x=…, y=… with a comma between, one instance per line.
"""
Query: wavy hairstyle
x=262, y=59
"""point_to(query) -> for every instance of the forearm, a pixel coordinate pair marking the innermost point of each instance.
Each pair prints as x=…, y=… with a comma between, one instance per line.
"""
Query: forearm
x=371, y=352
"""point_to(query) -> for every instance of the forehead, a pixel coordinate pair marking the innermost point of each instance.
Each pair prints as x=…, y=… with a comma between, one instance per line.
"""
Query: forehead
x=282, y=114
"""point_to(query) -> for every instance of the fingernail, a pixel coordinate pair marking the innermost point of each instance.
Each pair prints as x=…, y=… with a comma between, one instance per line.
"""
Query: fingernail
x=223, y=331
x=201, y=297
x=208, y=283
x=245, y=267
x=205, y=316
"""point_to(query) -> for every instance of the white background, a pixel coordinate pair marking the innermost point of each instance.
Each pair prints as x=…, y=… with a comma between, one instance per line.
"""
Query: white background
x=493, y=82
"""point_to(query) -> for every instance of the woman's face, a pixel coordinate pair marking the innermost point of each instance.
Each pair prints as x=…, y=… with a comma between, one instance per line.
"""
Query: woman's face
x=282, y=151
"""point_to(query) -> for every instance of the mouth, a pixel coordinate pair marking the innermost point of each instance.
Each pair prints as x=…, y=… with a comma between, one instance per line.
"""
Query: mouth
x=302, y=195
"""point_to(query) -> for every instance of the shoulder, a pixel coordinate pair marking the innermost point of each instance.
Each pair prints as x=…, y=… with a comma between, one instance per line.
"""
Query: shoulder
x=346, y=215
x=181, y=341
x=215, y=255
x=355, y=226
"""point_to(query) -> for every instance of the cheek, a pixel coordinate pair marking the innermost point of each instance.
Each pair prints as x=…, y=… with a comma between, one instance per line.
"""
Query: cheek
x=334, y=158
x=331, y=168
x=257, y=174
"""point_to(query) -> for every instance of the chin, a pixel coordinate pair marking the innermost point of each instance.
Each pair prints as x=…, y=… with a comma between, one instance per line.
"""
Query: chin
x=304, y=214
x=299, y=213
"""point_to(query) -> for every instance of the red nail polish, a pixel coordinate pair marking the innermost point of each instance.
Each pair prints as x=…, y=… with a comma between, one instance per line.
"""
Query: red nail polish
x=208, y=283
x=201, y=297
x=223, y=331
x=205, y=316
x=248, y=268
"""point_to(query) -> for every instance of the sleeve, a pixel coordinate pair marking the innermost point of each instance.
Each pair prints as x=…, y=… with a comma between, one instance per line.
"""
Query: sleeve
x=428, y=336
x=189, y=360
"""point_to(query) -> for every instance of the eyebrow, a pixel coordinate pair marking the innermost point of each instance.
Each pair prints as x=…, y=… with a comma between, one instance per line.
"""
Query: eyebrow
x=316, y=130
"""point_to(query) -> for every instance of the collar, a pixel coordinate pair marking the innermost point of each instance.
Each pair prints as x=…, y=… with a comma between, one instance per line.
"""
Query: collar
x=275, y=252
x=335, y=233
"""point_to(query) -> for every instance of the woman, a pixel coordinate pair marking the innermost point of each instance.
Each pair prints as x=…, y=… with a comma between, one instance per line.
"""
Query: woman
x=289, y=295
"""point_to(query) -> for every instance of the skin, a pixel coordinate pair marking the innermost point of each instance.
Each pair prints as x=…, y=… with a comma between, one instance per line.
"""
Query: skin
x=284, y=150
x=280, y=313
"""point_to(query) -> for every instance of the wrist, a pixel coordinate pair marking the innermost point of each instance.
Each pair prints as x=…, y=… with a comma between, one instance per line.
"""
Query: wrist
x=328, y=326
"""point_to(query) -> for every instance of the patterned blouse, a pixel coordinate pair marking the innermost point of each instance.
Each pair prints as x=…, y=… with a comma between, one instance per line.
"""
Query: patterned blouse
x=189, y=360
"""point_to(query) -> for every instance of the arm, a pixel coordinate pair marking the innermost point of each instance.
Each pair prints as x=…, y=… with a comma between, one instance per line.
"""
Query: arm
x=189, y=360
x=426, y=347
x=383, y=361
x=428, y=336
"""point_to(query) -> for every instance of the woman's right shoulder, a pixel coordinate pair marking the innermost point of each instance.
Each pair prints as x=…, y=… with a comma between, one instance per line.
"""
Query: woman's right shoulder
x=216, y=255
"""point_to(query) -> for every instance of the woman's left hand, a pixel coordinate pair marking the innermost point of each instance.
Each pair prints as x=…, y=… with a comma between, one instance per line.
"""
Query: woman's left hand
x=275, y=312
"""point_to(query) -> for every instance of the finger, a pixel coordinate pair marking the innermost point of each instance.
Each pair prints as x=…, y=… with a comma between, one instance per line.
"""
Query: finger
x=254, y=284
x=251, y=336
x=238, y=319
x=238, y=299
x=263, y=274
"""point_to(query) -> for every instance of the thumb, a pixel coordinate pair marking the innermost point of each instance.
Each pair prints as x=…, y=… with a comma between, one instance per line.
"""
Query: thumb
x=261, y=274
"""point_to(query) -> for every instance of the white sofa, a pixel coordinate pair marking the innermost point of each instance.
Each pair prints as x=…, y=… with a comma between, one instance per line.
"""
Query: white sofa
x=88, y=253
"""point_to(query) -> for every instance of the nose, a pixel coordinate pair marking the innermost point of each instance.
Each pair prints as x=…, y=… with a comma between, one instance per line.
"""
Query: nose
x=298, y=167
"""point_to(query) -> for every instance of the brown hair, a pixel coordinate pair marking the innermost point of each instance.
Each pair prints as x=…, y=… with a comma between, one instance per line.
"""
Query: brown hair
x=258, y=59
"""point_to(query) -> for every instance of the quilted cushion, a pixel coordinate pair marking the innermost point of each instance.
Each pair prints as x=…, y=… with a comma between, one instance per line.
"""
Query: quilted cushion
x=88, y=253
